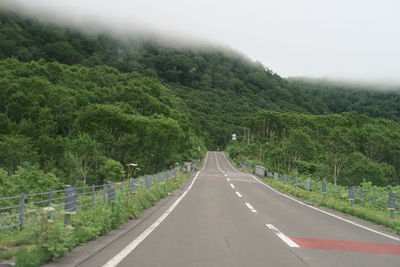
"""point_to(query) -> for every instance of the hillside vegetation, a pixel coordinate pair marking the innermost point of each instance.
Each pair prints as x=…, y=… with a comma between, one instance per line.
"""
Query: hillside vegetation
x=346, y=149
x=377, y=101
x=81, y=105
x=84, y=124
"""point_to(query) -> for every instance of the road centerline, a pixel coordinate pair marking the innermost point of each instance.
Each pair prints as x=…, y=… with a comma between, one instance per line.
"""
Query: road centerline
x=250, y=207
x=131, y=246
x=283, y=237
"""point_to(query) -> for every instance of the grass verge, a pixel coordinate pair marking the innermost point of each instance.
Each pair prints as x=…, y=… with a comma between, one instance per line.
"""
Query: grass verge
x=373, y=215
x=47, y=240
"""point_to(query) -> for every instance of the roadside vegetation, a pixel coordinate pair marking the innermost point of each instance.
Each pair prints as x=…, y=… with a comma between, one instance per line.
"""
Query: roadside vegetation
x=372, y=214
x=49, y=239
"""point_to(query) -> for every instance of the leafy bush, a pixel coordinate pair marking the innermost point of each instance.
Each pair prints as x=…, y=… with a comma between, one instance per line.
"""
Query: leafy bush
x=119, y=213
x=30, y=258
x=53, y=238
x=29, y=179
x=112, y=171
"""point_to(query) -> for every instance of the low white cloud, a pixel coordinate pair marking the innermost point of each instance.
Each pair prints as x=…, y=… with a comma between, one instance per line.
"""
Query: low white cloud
x=355, y=39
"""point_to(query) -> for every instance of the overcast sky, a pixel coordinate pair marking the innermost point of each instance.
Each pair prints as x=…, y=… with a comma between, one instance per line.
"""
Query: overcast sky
x=358, y=39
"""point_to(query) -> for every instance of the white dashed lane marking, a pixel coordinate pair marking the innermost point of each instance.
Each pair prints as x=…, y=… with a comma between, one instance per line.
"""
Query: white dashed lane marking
x=251, y=208
x=283, y=237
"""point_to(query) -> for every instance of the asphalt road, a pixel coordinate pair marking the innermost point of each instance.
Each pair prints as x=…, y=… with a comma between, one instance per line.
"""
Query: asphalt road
x=227, y=218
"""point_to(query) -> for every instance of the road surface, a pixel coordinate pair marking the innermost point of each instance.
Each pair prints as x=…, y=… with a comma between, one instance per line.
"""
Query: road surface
x=224, y=217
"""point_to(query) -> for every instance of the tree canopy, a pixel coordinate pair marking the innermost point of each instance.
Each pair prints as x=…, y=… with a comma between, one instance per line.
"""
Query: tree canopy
x=76, y=104
x=345, y=148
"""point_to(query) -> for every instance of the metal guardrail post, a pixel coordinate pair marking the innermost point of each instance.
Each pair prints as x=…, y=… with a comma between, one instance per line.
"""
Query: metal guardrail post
x=308, y=185
x=351, y=195
x=324, y=188
x=110, y=192
x=132, y=185
x=296, y=180
x=49, y=200
x=392, y=203
x=69, y=203
x=104, y=192
x=21, y=215
x=94, y=194
x=276, y=176
x=374, y=197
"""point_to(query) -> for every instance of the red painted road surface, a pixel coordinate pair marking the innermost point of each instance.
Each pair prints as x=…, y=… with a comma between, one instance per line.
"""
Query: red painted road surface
x=346, y=245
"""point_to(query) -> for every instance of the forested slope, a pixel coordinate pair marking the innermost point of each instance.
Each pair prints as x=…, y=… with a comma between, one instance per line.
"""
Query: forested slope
x=220, y=87
x=82, y=123
x=377, y=101
x=138, y=101
x=343, y=148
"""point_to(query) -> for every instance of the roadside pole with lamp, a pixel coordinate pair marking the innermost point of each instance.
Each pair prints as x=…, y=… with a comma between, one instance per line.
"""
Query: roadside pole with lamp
x=132, y=167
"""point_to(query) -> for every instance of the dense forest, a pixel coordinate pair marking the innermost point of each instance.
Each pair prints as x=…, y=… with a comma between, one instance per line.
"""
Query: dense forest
x=80, y=106
x=377, y=101
x=343, y=148
x=83, y=124
x=220, y=87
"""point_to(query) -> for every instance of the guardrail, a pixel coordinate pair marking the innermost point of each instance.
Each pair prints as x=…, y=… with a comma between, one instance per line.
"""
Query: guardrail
x=18, y=211
x=355, y=195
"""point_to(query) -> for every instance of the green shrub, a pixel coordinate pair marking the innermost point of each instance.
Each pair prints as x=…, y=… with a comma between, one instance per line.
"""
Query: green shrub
x=112, y=170
x=83, y=234
x=30, y=258
x=7, y=255
x=53, y=238
x=119, y=213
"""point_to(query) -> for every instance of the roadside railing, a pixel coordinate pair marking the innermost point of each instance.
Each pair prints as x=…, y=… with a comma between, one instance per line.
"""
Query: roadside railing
x=382, y=199
x=18, y=211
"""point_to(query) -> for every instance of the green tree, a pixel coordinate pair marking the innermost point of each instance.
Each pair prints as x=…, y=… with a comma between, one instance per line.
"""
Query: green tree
x=15, y=150
x=82, y=156
x=29, y=179
x=111, y=170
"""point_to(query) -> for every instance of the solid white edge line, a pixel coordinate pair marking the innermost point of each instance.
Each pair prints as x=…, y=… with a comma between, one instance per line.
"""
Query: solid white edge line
x=238, y=194
x=130, y=247
x=232, y=186
x=250, y=207
x=283, y=237
x=317, y=209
